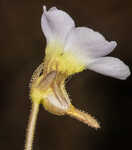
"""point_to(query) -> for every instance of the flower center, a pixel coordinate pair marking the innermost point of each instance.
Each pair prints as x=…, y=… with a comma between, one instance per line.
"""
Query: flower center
x=62, y=61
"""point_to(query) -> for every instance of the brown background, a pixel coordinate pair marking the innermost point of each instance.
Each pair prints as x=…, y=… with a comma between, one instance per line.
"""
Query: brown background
x=22, y=47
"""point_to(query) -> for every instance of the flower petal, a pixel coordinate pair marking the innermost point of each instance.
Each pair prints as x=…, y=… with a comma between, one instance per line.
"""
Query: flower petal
x=110, y=66
x=56, y=24
x=84, y=41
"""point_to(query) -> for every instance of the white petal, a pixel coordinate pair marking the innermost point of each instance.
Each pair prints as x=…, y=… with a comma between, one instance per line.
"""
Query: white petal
x=110, y=66
x=84, y=41
x=56, y=24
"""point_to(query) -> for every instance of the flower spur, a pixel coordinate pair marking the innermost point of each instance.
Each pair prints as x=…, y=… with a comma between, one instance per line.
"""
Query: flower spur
x=69, y=50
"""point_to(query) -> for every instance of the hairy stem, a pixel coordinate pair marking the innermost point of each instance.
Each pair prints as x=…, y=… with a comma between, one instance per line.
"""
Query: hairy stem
x=31, y=126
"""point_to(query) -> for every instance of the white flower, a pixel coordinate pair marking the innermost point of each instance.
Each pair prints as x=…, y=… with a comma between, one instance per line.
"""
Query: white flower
x=70, y=50
x=83, y=44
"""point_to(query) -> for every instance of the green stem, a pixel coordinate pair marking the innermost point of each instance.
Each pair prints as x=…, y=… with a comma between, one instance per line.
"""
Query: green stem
x=31, y=126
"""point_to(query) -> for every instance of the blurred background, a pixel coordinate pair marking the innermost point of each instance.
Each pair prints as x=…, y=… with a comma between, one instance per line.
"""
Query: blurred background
x=22, y=46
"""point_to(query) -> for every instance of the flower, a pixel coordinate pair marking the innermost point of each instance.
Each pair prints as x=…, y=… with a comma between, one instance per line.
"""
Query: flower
x=70, y=50
x=79, y=47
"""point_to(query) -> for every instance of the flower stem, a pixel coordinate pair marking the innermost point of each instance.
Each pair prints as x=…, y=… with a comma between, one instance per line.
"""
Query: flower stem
x=31, y=126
